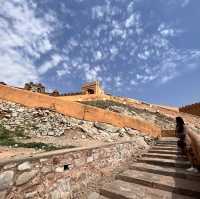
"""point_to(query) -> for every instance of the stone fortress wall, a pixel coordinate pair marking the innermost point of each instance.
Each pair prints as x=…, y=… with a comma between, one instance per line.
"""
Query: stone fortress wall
x=76, y=110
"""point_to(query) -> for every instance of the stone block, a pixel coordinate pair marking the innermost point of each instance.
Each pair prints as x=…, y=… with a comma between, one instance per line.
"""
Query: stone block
x=46, y=169
x=6, y=179
x=31, y=194
x=59, y=169
x=90, y=159
x=3, y=194
x=24, y=166
x=94, y=195
x=25, y=177
x=9, y=166
x=79, y=162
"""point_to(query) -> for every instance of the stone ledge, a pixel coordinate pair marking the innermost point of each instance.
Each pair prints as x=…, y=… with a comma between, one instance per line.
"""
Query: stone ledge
x=57, y=152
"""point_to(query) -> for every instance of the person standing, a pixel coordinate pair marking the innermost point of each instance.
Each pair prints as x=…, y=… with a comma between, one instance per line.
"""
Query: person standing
x=184, y=143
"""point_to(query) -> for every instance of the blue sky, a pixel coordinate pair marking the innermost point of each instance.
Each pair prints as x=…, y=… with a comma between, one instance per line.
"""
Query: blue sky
x=143, y=49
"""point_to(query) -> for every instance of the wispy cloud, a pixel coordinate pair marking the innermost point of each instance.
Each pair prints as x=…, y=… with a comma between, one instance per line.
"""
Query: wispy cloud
x=113, y=41
x=185, y=3
x=24, y=37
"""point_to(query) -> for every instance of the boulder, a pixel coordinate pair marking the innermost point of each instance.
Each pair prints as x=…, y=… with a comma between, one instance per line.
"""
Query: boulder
x=26, y=177
x=117, y=109
x=106, y=127
x=140, y=142
x=131, y=132
x=24, y=166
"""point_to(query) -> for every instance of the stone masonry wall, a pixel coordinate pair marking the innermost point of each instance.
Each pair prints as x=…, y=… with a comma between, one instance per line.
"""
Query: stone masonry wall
x=64, y=174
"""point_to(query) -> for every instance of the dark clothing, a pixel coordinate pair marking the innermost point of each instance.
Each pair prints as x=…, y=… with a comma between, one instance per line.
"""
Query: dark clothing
x=181, y=134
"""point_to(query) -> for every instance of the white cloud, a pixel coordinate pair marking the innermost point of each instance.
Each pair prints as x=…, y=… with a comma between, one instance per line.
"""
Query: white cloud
x=133, y=82
x=132, y=20
x=24, y=37
x=130, y=7
x=14, y=72
x=185, y=2
x=166, y=31
x=98, y=55
x=93, y=73
x=117, y=81
x=66, y=70
x=98, y=12
x=52, y=63
x=111, y=38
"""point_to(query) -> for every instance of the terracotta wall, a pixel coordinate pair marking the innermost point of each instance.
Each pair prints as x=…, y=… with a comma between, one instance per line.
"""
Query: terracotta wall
x=167, y=110
x=76, y=110
x=193, y=109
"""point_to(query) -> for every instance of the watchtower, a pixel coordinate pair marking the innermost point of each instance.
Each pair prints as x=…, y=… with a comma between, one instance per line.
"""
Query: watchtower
x=92, y=88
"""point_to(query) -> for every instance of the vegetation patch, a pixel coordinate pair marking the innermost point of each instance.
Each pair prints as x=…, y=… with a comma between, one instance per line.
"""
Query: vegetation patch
x=159, y=118
x=104, y=104
x=9, y=138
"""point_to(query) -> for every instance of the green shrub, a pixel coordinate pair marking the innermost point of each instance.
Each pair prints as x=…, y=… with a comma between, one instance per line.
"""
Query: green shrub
x=7, y=138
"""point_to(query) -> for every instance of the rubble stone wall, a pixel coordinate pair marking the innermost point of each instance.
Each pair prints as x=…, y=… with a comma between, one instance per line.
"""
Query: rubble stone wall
x=76, y=110
x=193, y=109
x=64, y=173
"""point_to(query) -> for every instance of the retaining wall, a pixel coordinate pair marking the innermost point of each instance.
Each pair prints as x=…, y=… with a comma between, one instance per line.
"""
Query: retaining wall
x=64, y=173
x=76, y=110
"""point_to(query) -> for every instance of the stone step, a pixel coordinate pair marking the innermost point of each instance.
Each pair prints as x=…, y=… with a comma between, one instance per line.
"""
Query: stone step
x=167, y=145
x=125, y=190
x=166, y=162
x=165, y=148
x=166, y=183
x=167, y=142
x=95, y=195
x=169, y=171
x=166, y=156
x=165, y=151
x=168, y=139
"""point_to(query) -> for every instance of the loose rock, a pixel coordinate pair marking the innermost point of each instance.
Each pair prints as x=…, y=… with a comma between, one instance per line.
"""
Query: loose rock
x=6, y=180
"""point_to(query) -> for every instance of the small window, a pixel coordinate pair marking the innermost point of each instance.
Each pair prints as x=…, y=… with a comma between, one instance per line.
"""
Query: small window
x=66, y=167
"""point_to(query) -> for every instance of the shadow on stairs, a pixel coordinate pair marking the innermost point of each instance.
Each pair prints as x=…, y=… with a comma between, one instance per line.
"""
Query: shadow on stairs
x=159, y=174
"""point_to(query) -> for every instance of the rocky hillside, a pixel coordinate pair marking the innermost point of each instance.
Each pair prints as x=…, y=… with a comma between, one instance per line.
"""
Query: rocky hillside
x=156, y=117
x=36, y=124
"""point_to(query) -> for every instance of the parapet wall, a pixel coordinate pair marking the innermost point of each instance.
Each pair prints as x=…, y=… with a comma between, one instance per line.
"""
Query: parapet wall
x=76, y=110
x=193, y=109
x=64, y=173
x=195, y=144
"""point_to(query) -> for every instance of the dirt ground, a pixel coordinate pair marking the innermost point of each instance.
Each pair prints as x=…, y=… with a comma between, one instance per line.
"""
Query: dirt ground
x=6, y=152
x=72, y=138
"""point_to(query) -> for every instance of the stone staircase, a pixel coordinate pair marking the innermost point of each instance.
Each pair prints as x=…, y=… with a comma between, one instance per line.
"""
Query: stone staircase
x=161, y=173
